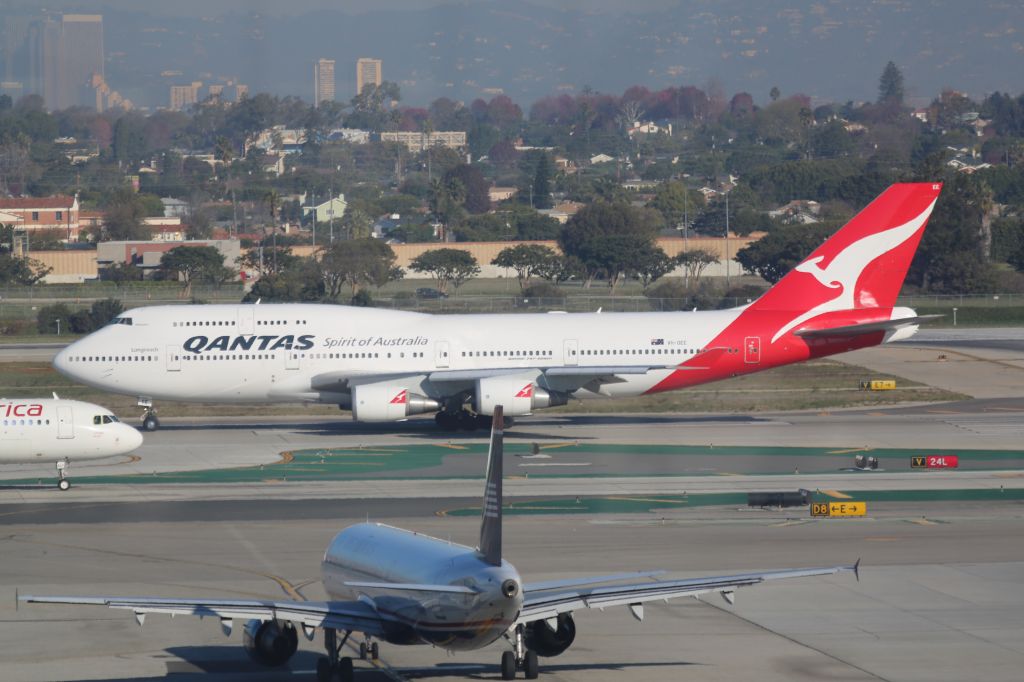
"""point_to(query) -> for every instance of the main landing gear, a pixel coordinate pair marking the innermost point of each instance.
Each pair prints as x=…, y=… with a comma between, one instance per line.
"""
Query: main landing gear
x=150, y=422
x=464, y=420
x=333, y=666
x=62, y=474
x=520, y=658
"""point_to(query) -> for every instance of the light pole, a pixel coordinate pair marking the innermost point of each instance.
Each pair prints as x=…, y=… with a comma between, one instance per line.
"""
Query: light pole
x=954, y=316
x=727, y=240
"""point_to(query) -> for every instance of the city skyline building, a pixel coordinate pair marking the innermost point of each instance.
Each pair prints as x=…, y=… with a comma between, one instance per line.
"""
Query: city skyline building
x=64, y=55
x=368, y=71
x=323, y=81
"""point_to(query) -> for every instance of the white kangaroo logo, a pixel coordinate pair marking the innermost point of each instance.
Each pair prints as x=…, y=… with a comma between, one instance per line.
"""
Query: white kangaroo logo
x=844, y=270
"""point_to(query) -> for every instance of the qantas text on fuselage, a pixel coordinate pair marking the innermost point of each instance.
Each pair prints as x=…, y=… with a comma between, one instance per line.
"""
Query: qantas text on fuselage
x=386, y=365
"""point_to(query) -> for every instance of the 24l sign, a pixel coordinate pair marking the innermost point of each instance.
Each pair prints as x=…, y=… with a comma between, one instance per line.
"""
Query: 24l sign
x=934, y=462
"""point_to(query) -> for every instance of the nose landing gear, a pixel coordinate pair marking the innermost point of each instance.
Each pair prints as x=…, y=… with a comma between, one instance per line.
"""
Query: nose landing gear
x=62, y=474
x=150, y=422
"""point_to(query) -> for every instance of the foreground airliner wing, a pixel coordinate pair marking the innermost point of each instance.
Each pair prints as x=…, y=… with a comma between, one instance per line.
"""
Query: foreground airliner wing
x=544, y=604
x=347, y=615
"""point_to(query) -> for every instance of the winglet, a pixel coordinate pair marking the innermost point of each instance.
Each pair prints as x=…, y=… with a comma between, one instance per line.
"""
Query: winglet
x=490, y=523
x=856, y=569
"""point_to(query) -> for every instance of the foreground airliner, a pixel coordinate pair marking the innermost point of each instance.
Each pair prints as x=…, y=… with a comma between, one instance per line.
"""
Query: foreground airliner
x=55, y=430
x=402, y=587
x=386, y=365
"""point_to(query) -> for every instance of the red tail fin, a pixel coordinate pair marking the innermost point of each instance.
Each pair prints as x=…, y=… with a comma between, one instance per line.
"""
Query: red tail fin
x=863, y=265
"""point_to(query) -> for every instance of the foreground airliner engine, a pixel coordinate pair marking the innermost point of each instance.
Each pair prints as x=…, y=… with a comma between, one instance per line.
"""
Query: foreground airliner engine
x=388, y=403
x=518, y=395
x=270, y=643
x=548, y=641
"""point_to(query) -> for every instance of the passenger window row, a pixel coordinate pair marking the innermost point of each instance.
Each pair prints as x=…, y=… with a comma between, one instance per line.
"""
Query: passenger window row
x=514, y=354
x=26, y=422
x=112, y=358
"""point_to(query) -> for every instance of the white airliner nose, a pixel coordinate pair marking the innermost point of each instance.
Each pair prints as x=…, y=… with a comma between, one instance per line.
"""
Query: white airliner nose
x=129, y=438
x=61, y=363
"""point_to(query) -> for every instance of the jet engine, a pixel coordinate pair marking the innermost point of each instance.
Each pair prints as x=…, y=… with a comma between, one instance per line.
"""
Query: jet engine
x=270, y=642
x=518, y=395
x=548, y=641
x=388, y=403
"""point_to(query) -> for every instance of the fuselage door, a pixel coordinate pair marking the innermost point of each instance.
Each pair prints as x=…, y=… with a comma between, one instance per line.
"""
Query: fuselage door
x=572, y=352
x=291, y=359
x=441, y=354
x=245, y=319
x=752, y=350
x=173, y=359
x=65, y=422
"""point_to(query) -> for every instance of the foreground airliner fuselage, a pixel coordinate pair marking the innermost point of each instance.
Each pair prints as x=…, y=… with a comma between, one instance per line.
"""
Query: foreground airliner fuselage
x=386, y=365
x=54, y=430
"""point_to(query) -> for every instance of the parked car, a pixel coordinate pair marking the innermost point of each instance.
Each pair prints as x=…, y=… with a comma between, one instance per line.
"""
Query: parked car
x=430, y=292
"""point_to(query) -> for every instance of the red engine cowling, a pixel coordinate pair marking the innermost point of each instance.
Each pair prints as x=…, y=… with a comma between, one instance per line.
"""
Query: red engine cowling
x=270, y=643
x=548, y=641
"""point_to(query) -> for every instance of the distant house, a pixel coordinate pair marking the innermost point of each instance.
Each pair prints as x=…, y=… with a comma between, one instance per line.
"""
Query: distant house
x=601, y=158
x=332, y=208
x=649, y=128
x=45, y=213
x=562, y=211
x=350, y=135
x=797, y=212
x=497, y=194
x=174, y=208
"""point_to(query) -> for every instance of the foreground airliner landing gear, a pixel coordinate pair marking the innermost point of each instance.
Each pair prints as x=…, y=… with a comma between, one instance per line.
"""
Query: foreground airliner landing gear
x=333, y=666
x=369, y=650
x=62, y=474
x=150, y=422
x=519, y=658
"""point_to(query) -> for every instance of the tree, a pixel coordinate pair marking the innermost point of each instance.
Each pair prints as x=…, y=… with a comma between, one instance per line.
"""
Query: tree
x=693, y=263
x=357, y=263
x=774, y=93
x=476, y=197
x=676, y=203
x=119, y=273
x=446, y=197
x=53, y=319
x=263, y=260
x=542, y=182
x=356, y=223
x=301, y=281
x=23, y=271
x=195, y=264
x=609, y=239
x=890, y=86
x=652, y=263
x=124, y=214
x=951, y=258
x=781, y=250
x=526, y=259
x=446, y=266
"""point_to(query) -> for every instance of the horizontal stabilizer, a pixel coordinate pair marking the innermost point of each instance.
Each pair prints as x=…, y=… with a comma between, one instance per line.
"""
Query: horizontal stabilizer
x=415, y=587
x=866, y=328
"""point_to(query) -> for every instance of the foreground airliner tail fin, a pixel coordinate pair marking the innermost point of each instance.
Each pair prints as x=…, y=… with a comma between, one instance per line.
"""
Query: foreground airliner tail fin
x=490, y=522
x=863, y=265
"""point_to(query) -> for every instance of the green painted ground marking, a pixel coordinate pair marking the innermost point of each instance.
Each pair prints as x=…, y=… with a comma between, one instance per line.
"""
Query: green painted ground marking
x=661, y=503
x=396, y=461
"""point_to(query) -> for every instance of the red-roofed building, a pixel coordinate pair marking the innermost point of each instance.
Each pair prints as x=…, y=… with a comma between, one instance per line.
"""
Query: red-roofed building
x=45, y=213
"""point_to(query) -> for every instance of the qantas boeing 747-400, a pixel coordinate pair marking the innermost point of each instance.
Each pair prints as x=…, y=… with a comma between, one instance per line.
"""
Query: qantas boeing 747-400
x=386, y=365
